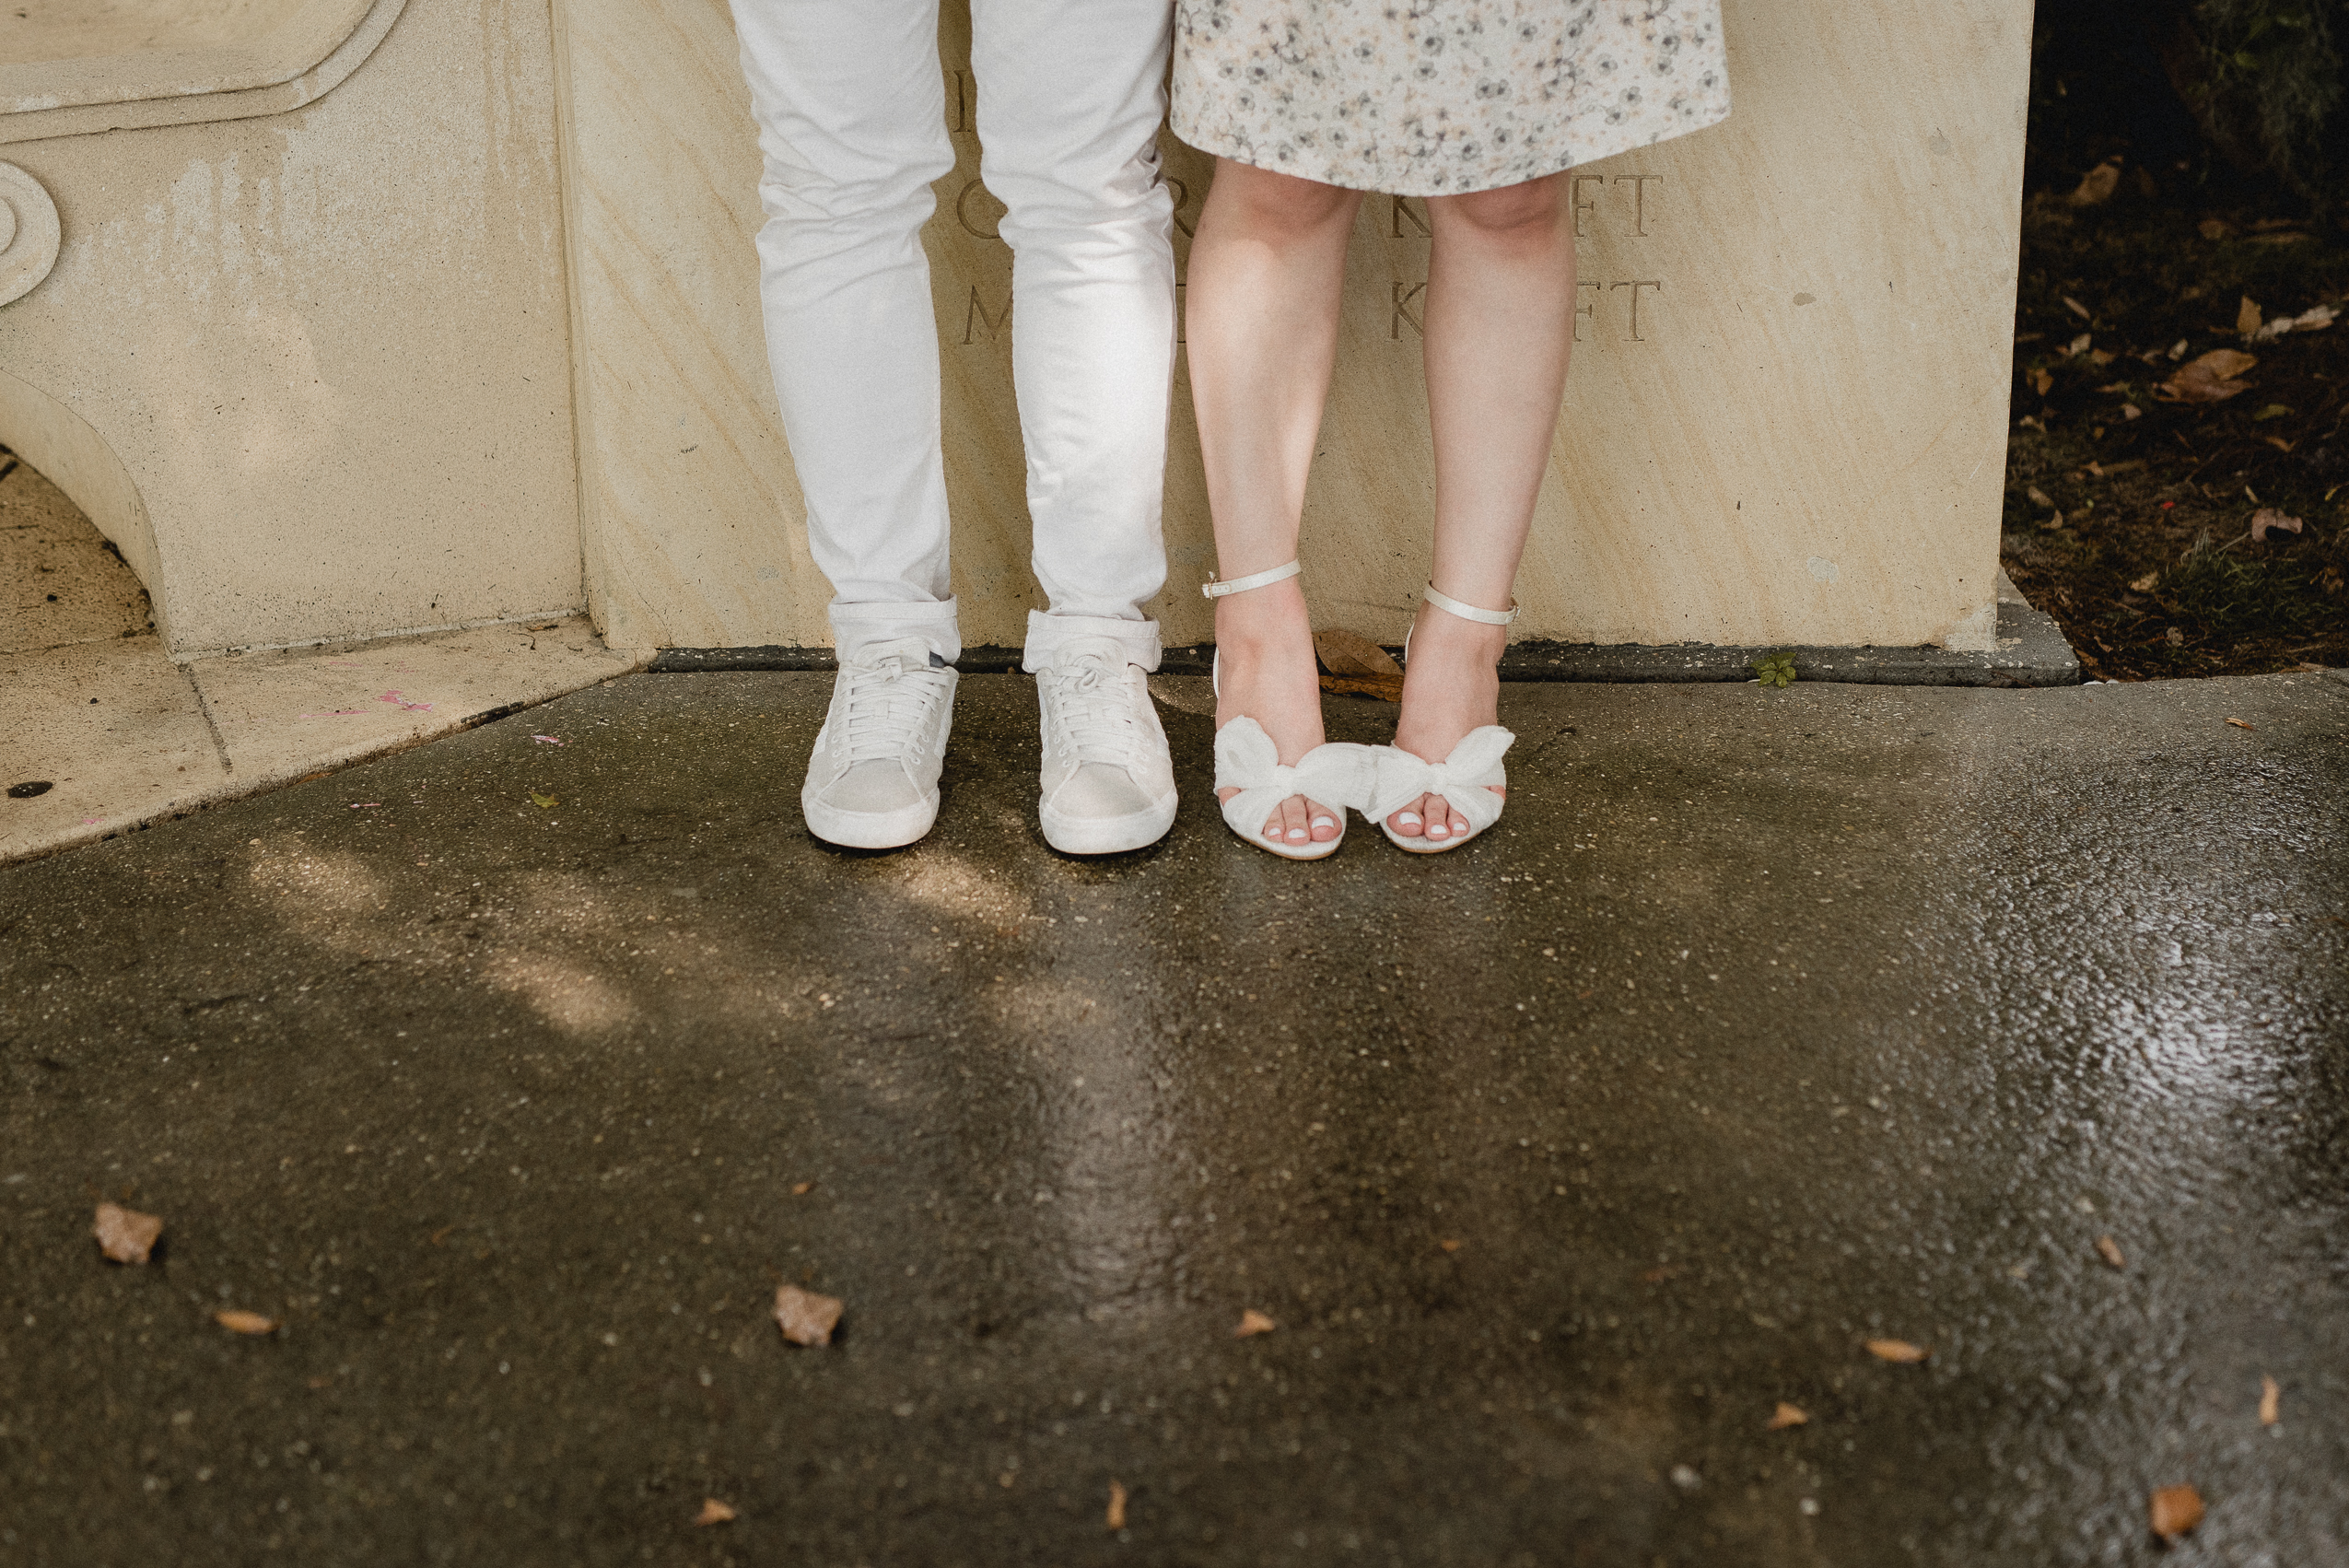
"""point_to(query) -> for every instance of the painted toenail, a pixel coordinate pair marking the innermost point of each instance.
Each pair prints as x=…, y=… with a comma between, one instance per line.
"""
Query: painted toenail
x=1325, y=821
x=1296, y=833
x=1408, y=819
x=1437, y=830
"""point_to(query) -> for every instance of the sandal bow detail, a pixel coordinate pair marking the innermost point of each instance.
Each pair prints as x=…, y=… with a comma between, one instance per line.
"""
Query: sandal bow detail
x=1462, y=778
x=1338, y=772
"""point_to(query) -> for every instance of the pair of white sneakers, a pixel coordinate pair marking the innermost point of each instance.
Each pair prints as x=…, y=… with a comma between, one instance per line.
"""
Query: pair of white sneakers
x=1108, y=781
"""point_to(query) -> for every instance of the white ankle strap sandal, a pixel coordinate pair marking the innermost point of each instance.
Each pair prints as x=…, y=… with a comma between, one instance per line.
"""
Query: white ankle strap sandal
x=1214, y=590
x=1339, y=774
x=1465, y=779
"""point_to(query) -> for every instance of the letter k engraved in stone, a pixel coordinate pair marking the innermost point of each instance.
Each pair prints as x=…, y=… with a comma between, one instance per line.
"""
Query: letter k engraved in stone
x=1403, y=311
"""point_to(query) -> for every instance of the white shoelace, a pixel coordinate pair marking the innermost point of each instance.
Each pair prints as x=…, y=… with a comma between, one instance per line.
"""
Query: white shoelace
x=1092, y=710
x=884, y=708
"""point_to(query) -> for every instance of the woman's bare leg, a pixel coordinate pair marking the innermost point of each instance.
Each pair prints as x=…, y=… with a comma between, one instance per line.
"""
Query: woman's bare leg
x=1500, y=321
x=1266, y=270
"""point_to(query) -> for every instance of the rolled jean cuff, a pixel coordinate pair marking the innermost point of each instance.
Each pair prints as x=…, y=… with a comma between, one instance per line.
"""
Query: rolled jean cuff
x=860, y=625
x=1046, y=633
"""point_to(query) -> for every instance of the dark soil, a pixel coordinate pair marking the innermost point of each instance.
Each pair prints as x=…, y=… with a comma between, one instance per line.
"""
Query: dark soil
x=2134, y=531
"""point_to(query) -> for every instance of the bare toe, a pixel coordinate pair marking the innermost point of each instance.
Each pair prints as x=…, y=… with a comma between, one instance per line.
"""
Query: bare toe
x=1323, y=821
x=1406, y=822
x=1438, y=813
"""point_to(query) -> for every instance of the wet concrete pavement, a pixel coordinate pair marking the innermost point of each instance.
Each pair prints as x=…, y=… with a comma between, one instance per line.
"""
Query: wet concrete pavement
x=1764, y=1024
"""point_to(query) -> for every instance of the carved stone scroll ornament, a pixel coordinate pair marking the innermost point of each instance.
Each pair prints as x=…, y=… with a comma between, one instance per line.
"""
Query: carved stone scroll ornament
x=29, y=233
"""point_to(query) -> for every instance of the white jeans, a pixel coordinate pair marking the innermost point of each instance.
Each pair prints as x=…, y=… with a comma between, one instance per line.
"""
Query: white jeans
x=851, y=111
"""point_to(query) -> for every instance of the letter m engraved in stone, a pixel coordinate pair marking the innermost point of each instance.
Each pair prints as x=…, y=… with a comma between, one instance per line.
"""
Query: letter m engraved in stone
x=976, y=316
x=1404, y=295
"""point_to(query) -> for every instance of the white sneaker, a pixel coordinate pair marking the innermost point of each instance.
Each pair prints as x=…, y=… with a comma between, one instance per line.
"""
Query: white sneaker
x=1108, y=781
x=872, y=781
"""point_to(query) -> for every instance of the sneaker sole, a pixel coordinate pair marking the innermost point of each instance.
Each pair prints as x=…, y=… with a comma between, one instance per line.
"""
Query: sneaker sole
x=870, y=830
x=1106, y=835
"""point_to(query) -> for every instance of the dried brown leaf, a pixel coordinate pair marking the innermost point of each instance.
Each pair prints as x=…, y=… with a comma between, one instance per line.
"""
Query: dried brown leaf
x=2095, y=188
x=1786, y=1415
x=1449, y=1245
x=1342, y=652
x=2144, y=584
x=239, y=1322
x=2130, y=411
x=2271, y=1402
x=2209, y=377
x=1116, y=1519
x=805, y=1317
x=2239, y=724
x=2077, y=308
x=713, y=1512
x=125, y=1235
x=2039, y=496
x=1899, y=1351
x=1385, y=688
x=2042, y=382
x=1253, y=1322
x=2176, y=1510
x=2267, y=518
x=801, y=1188
x=2109, y=1250
x=2247, y=316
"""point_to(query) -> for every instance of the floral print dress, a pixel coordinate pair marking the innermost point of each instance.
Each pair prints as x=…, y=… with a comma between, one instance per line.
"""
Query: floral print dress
x=1431, y=97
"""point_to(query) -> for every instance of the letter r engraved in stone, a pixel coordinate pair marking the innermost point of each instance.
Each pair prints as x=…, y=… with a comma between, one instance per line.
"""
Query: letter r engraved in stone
x=1639, y=203
x=1657, y=284
x=1581, y=207
x=976, y=316
x=963, y=211
x=1586, y=311
x=1403, y=214
x=1182, y=195
x=1403, y=298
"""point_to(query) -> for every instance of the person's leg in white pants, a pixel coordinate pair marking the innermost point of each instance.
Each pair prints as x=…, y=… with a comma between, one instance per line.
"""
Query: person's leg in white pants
x=850, y=105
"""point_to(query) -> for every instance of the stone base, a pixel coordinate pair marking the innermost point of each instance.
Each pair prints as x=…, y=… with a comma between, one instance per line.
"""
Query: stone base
x=2031, y=652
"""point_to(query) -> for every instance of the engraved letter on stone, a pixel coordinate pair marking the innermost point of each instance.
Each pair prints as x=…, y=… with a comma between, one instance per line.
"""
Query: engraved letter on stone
x=1639, y=203
x=1581, y=207
x=976, y=316
x=1403, y=214
x=1403, y=298
x=1657, y=284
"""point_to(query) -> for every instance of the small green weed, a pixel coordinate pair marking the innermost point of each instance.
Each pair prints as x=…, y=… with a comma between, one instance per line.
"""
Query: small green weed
x=1774, y=669
x=2234, y=597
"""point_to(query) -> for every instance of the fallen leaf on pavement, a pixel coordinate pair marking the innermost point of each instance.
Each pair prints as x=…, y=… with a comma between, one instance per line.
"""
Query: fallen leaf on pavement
x=1449, y=1245
x=806, y=1318
x=1253, y=1322
x=125, y=1235
x=2246, y=318
x=2209, y=377
x=541, y=802
x=238, y=1322
x=1785, y=1416
x=2240, y=725
x=1117, y=1517
x=2095, y=188
x=2176, y=1510
x=2109, y=1250
x=2268, y=517
x=1342, y=652
x=2270, y=1401
x=713, y=1512
x=801, y=1188
x=1899, y=1351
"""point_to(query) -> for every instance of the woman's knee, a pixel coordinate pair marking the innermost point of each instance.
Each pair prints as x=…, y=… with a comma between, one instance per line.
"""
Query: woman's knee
x=1269, y=203
x=1527, y=209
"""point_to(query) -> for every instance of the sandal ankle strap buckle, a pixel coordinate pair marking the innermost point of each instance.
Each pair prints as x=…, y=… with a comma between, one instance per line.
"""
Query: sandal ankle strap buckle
x=1444, y=601
x=1214, y=590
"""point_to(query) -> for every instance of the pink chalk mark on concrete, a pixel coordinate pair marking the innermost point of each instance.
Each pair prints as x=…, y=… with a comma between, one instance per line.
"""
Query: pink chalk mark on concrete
x=548, y=740
x=362, y=805
x=91, y=821
x=404, y=704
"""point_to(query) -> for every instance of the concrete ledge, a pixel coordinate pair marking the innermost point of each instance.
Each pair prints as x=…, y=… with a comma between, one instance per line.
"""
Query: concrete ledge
x=2032, y=652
